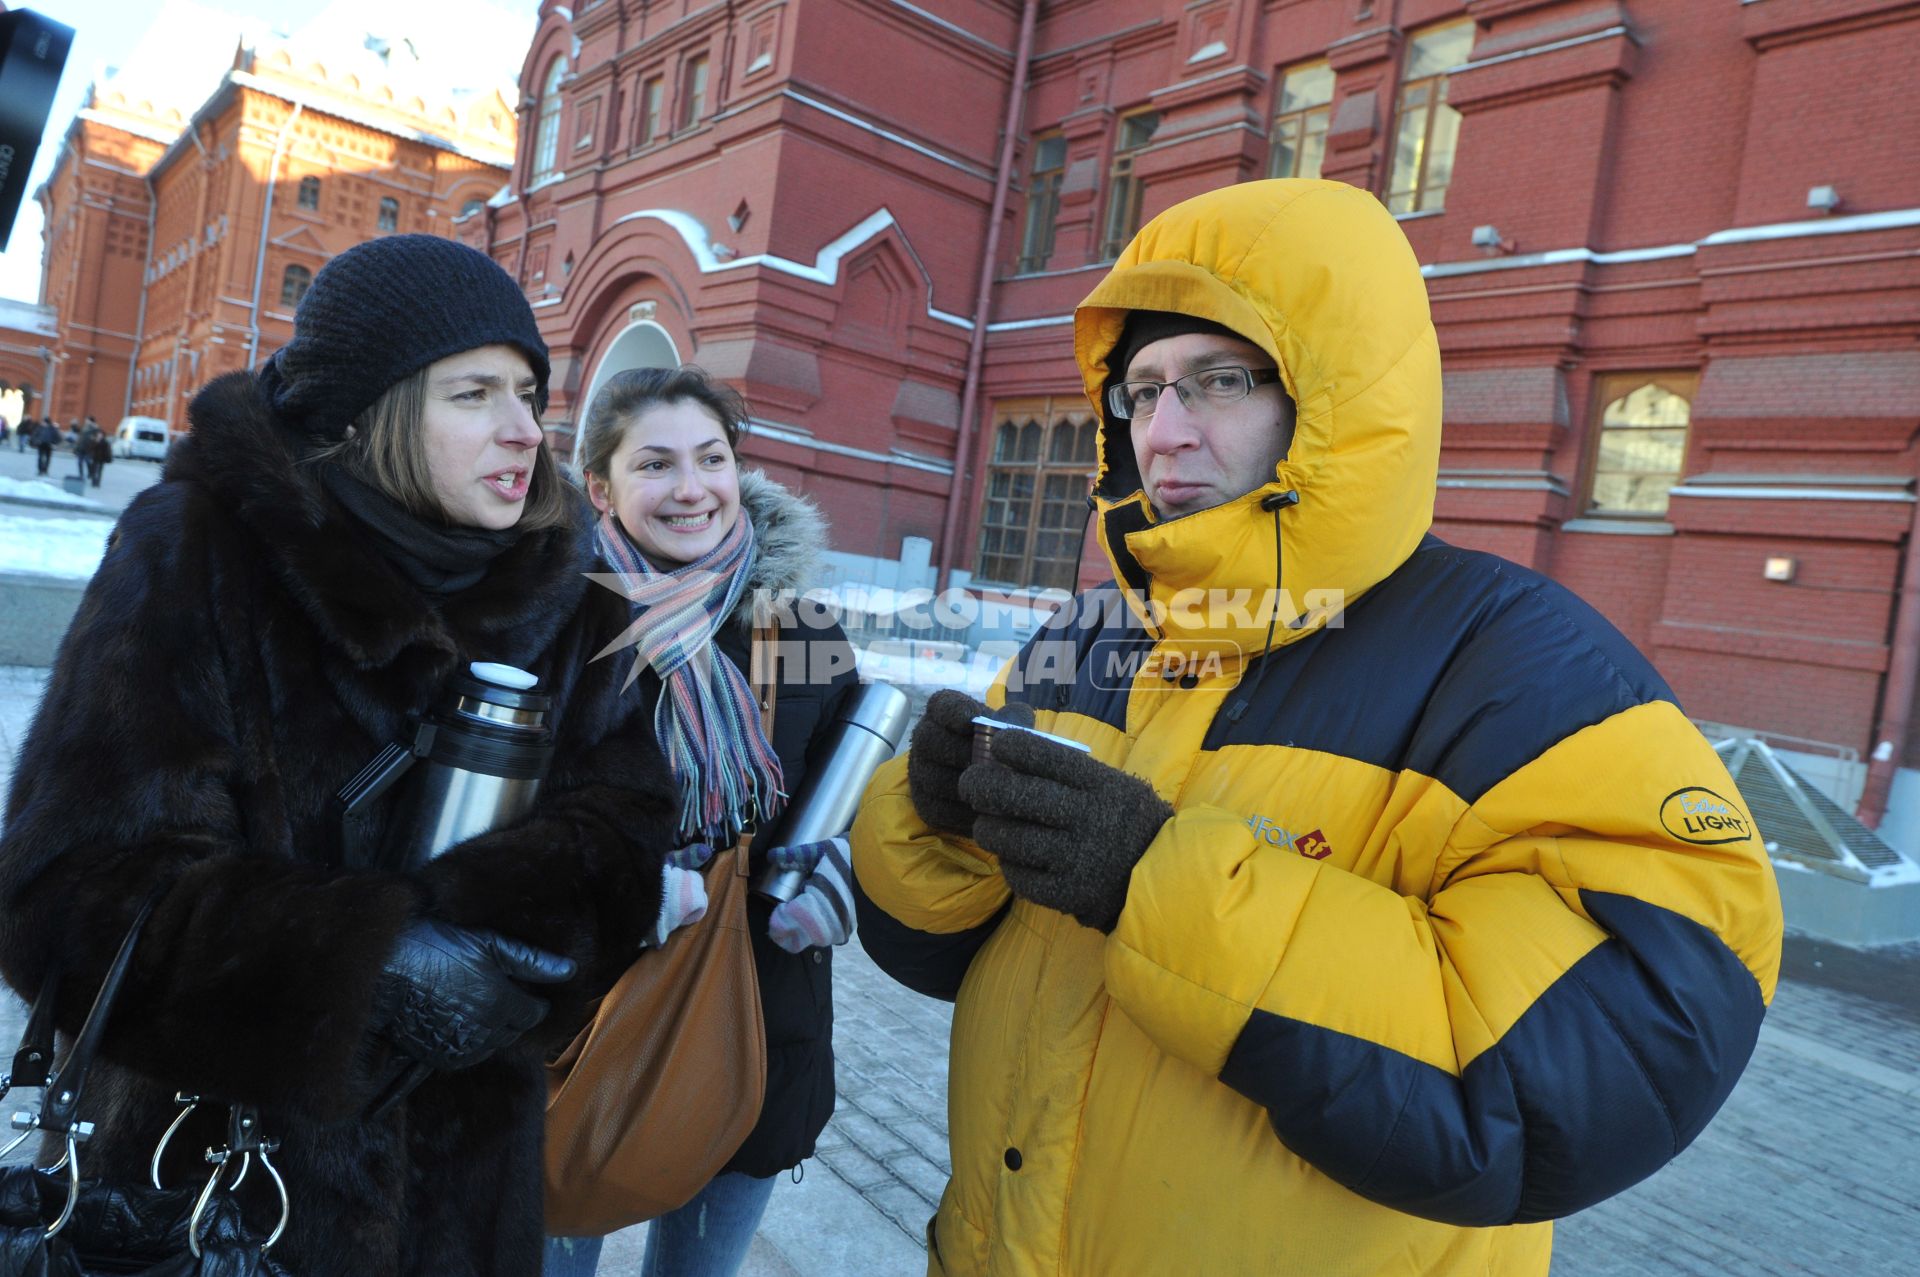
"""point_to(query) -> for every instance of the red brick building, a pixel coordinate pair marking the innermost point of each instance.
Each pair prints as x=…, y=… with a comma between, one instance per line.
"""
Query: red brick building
x=26, y=359
x=1673, y=247
x=178, y=241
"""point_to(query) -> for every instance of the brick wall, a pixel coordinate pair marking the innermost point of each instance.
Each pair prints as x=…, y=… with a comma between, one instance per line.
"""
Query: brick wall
x=1634, y=142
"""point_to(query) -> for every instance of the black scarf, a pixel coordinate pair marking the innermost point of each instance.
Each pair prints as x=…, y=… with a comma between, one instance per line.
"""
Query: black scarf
x=441, y=560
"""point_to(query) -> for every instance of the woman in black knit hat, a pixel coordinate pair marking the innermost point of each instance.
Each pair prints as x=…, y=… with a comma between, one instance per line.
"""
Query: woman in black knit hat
x=338, y=536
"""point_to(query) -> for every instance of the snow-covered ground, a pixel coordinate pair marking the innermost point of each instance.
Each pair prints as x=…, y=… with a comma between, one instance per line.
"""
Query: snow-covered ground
x=928, y=673
x=20, y=691
x=52, y=546
x=41, y=490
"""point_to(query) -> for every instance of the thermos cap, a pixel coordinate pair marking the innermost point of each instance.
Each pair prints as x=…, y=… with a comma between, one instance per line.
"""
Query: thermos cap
x=503, y=675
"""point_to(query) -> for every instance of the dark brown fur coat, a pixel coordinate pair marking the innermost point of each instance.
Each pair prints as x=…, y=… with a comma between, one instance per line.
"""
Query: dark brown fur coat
x=243, y=650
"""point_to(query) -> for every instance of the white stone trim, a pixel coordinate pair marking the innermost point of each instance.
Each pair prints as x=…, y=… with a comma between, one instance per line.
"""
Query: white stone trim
x=1015, y=325
x=1517, y=483
x=958, y=30
x=1620, y=527
x=761, y=428
x=825, y=268
x=1796, y=494
x=846, y=117
x=1556, y=45
x=1860, y=224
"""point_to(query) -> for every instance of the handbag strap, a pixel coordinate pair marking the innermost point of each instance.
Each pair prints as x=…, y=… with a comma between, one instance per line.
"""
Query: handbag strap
x=33, y=1062
x=61, y=1108
x=760, y=673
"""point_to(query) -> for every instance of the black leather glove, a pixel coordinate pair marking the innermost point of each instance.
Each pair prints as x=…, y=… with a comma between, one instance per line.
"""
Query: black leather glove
x=942, y=748
x=447, y=996
x=1068, y=830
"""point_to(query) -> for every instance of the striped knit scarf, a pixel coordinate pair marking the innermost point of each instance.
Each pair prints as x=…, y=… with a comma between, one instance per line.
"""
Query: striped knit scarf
x=706, y=720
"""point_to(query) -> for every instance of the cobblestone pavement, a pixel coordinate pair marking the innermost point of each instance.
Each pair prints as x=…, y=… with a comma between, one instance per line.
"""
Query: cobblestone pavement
x=1811, y=1170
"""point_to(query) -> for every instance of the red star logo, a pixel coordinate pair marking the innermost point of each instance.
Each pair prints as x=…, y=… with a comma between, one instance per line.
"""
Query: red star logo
x=1313, y=846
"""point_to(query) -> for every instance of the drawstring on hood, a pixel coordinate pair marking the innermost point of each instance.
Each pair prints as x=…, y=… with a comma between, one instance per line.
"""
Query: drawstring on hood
x=1276, y=502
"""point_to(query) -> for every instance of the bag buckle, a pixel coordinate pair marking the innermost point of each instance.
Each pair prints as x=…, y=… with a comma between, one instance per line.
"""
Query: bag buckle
x=245, y=1141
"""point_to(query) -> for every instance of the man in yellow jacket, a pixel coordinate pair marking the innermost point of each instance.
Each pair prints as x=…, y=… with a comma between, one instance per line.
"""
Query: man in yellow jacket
x=1396, y=910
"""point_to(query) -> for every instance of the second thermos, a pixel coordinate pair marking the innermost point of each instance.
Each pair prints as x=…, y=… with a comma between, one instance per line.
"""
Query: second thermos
x=866, y=733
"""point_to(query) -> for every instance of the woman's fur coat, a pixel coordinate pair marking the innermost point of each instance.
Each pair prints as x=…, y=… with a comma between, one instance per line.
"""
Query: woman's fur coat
x=242, y=652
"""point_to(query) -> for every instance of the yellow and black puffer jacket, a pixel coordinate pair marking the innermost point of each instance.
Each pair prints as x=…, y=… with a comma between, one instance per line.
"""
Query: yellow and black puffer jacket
x=1459, y=925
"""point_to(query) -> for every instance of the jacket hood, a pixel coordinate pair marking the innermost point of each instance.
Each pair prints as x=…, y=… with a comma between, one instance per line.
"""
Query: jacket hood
x=1319, y=276
x=250, y=460
x=789, y=535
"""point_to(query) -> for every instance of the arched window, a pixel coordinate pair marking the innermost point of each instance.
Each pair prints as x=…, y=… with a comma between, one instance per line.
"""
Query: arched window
x=389, y=214
x=1033, y=526
x=294, y=284
x=546, y=134
x=310, y=192
x=1641, y=444
x=469, y=208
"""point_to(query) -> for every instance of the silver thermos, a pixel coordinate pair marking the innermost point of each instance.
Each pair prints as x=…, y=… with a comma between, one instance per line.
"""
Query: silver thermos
x=475, y=763
x=866, y=734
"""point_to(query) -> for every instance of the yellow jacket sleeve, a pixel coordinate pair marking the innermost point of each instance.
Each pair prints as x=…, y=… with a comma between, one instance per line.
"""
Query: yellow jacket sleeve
x=1558, y=1012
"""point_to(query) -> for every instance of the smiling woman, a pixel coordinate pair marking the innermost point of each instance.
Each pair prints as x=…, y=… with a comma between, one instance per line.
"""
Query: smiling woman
x=700, y=546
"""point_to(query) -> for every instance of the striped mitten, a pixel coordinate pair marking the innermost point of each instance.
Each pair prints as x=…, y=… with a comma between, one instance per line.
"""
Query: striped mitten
x=683, y=901
x=822, y=914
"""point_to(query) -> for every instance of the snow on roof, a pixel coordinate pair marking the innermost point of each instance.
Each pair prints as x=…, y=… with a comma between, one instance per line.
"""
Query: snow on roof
x=439, y=50
x=178, y=61
x=27, y=317
x=442, y=51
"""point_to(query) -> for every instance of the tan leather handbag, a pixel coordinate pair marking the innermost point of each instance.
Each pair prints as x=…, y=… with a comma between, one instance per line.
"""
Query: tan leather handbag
x=665, y=1083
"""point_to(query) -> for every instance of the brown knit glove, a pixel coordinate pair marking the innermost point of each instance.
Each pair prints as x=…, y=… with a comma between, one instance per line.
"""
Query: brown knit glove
x=941, y=749
x=1068, y=830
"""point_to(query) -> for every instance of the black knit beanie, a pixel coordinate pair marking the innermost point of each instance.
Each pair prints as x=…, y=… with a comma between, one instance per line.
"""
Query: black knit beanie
x=1144, y=327
x=385, y=309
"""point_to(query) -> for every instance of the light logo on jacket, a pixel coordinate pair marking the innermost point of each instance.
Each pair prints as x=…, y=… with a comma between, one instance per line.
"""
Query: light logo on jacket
x=1704, y=818
x=1312, y=845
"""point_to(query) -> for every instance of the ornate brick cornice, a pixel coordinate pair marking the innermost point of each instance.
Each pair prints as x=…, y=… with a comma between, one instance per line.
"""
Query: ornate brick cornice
x=1574, y=22
x=1779, y=22
x=1364, y=49
x=1600, y=59
x=1485, y=11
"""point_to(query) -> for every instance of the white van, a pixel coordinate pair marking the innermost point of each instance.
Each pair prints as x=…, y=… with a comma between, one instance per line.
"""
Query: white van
x=143, y=437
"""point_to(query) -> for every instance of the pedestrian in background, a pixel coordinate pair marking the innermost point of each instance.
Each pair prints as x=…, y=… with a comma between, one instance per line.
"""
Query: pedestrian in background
x=1378, y=927
x=659, y=456
x=46, y=437
x=100, y=453
x=338, y=536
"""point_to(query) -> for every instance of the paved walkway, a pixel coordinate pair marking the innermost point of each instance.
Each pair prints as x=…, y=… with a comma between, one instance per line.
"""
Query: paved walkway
x=118, y=482
x=1811, y=1170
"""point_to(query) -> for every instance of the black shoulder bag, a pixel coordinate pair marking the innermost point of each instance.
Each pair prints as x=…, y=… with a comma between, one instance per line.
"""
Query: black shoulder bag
x=55, y=1223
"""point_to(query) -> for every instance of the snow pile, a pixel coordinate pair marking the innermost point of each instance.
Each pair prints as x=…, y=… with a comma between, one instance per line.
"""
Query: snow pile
x=52, y=547
x=40, y=490
x=923, y=670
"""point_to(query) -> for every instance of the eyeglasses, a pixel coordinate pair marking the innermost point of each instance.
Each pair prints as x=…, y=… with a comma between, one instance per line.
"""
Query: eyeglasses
x=1136, y=400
